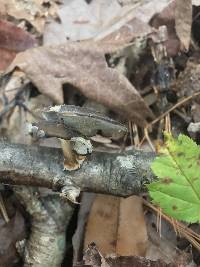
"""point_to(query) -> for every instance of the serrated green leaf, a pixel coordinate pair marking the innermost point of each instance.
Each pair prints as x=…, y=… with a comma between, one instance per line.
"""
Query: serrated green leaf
x=178, y=189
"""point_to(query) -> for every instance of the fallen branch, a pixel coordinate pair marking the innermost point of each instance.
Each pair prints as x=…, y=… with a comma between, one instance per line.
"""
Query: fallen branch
x=118, y=174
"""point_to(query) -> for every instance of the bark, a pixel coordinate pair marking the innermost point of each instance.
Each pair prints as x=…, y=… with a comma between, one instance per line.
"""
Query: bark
x=121, y=174
x=50, y=216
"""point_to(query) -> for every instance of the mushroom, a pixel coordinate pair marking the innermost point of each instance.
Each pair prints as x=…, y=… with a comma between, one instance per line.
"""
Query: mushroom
x=74, y=126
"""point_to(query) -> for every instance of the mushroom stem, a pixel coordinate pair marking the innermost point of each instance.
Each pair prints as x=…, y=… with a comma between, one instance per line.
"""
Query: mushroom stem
x=71, y=159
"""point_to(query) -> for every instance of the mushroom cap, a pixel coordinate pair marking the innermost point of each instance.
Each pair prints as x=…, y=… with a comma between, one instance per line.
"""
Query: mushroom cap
x=84, y=121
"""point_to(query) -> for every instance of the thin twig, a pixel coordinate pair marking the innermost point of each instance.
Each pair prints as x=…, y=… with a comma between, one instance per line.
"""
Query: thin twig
x=172, y=108
x=3, y=209
x=135, y=135
x=146, y=134
x=168, y=123
x=131, y=132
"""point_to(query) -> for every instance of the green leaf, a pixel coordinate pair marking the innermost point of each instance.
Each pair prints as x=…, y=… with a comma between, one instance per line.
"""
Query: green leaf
x=177, y=190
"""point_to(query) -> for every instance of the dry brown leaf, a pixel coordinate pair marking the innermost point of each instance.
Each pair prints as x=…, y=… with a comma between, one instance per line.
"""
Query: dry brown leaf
x=167, y=18
x=102, y=224
x=183, y=21
x=34, y=11
x=98, y=19
x=130, y=261
x=84, y=66
x=79, y=20
x=127, y=32
x=136, y=17
x=117, y=226
x=93, y=258
x=132, y=233
x=188, y=82
x=12, y=40
x=6, y=58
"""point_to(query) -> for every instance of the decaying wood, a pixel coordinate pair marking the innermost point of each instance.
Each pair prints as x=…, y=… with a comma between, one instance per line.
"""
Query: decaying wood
x=121, y=174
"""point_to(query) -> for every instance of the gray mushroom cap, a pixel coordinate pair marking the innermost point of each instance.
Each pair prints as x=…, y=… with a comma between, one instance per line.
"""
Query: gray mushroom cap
x=84, y=121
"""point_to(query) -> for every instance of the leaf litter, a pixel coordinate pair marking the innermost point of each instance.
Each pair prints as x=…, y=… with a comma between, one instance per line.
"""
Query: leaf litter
x=120, y=31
